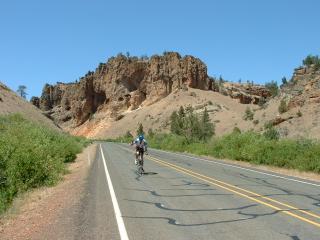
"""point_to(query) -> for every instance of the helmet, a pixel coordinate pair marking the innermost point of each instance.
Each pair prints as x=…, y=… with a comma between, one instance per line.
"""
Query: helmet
x=141, y=137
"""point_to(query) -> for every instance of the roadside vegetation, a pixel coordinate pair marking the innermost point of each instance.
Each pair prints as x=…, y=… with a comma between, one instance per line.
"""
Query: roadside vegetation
x=193, y=133
x=250, y=147
x=32, y=156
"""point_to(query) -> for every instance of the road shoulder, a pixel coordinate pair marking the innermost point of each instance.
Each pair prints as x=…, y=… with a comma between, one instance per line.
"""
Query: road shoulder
x=37, y=212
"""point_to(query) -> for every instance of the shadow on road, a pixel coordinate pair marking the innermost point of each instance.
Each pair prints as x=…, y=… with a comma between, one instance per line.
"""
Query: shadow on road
x=150, y=173
x=144, y=174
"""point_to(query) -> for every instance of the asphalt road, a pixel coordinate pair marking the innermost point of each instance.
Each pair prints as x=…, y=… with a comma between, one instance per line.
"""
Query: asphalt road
x=183, y=197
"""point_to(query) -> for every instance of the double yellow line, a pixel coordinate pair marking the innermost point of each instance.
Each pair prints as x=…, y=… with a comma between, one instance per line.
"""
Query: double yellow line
x=244, y=193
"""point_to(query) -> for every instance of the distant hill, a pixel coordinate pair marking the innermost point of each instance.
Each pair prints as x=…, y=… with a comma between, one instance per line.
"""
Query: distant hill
x=10, y=103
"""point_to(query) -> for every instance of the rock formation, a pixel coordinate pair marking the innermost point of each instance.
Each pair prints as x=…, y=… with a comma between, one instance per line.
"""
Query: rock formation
x=246, y=93
x=303, y=88
x=120, y=90
x=123, y=83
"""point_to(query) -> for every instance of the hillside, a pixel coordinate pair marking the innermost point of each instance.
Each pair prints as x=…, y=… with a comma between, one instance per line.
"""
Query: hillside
x=126, y=91
x=302, y=97
x=10, y=103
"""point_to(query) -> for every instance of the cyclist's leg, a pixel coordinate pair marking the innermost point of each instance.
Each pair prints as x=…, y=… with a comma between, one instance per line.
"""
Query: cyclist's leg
x=142, y=159
x=137, y=155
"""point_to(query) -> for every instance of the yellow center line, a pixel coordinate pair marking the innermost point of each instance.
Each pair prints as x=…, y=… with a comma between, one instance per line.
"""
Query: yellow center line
x=214, y=182
x=232, y=188
x=247, y=191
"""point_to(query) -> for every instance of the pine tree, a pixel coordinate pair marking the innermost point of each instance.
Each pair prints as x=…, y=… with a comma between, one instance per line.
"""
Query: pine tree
x=140, y=129
x=284, y=81
x=190, y=125
x=181, y=121
x=22, y=91
x=174, y=126
x=207, y=128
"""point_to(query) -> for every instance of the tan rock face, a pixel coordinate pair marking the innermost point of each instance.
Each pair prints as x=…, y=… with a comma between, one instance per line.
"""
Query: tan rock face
x=304, y=87
x=123, y=83
x=246, y=93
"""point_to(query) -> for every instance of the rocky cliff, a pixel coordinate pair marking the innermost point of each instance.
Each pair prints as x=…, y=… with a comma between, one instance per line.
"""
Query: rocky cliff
x=300, y=116
x=246, y=93
x=304, y=87
x=128, y=83
x=123, y=83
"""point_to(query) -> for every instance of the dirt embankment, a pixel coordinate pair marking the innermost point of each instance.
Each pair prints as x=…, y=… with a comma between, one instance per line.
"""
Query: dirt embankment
x=11, y=103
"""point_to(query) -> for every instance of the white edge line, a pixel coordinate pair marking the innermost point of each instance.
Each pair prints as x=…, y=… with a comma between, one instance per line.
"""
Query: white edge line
x=121, y=226
x=247, y=169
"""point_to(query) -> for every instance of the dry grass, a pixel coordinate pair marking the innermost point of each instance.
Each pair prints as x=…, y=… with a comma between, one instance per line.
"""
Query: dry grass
x=11, y=103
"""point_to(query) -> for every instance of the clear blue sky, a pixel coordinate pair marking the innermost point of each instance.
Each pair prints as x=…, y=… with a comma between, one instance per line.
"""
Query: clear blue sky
x=49, y=41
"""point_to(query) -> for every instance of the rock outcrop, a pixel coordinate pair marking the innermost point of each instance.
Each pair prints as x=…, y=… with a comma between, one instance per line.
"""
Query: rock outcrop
x=246, y=93
x=303, y=88
x=121, y=84
x=125, y=84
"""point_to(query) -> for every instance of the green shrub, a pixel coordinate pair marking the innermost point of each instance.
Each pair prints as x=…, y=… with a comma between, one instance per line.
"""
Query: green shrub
x=262, y=102
x=271, y=134
x=31, y=156
x=310, y=60
x=283, y=107
x=251, y=147
x=268, y=125
x=248, y=114
x=299, y=114
x=256, y=122
x=236, y=130
x=273, y=88
x=150, y=133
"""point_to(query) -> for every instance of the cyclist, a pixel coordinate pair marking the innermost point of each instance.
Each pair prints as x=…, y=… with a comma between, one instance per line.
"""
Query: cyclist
x=141, y=146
